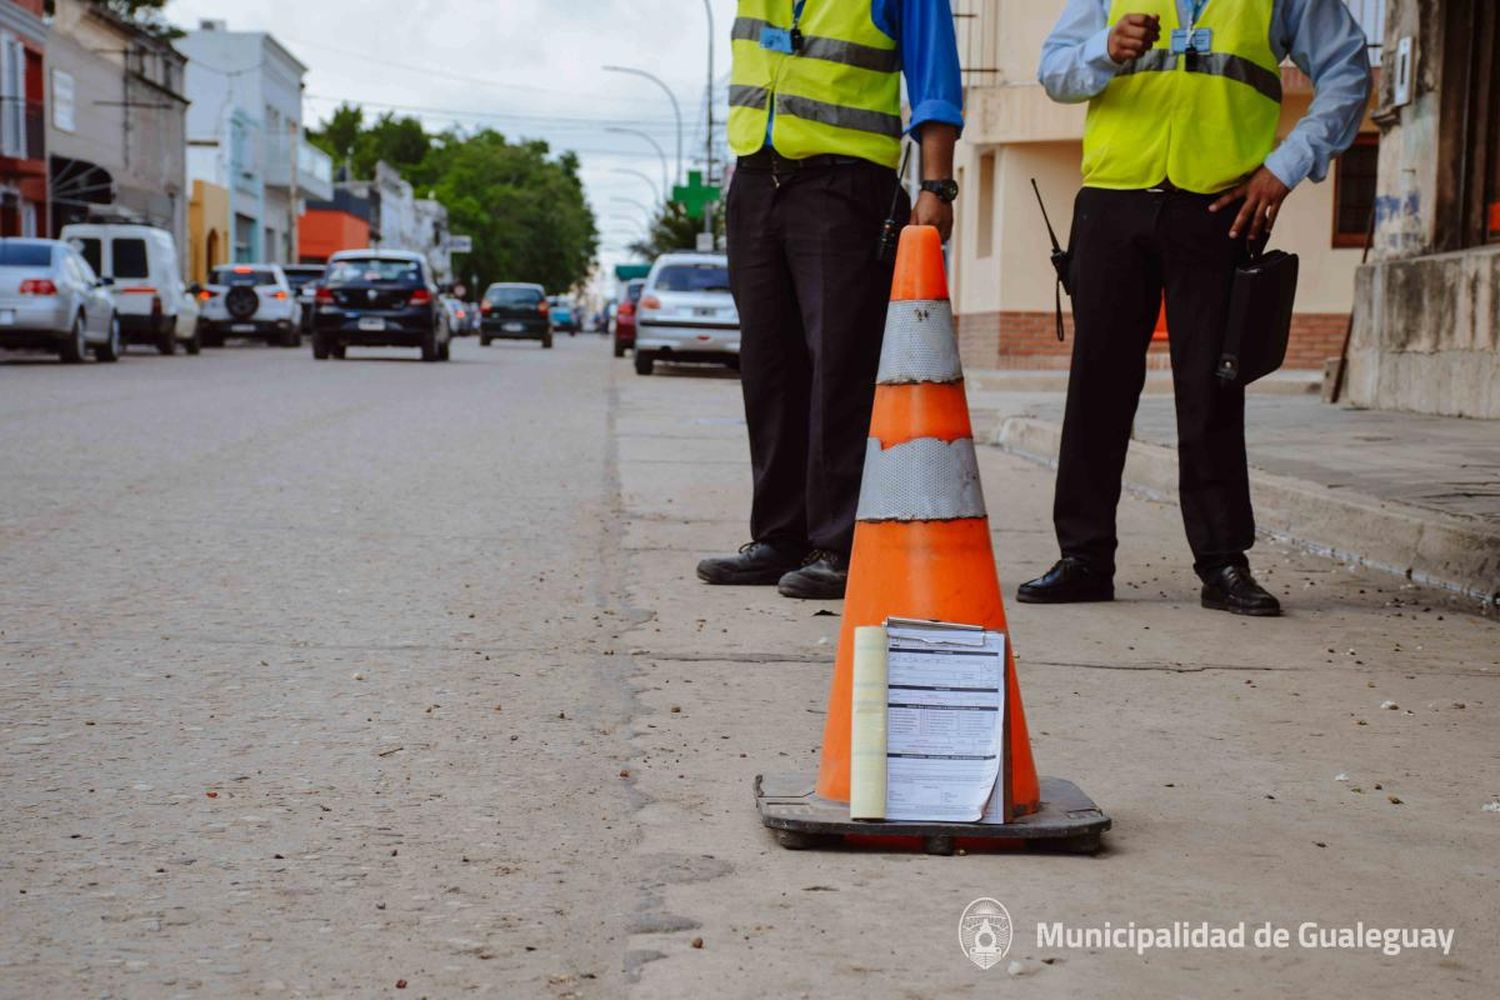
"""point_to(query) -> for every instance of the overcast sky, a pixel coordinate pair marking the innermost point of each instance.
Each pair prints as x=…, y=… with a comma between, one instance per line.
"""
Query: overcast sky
x=529, y=68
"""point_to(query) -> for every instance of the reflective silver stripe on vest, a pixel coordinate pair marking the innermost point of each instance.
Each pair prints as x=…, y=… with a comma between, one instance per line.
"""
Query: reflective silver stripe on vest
x=741, y=96
x=919, y=344
x=750, y=29
x=1153, y=61
x=1238, y=68
x=923, y=480
x=839, y=116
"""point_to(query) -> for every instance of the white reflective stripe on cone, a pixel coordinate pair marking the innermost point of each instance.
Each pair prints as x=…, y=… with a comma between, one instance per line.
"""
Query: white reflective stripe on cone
x=927, y=479
x=919, y=344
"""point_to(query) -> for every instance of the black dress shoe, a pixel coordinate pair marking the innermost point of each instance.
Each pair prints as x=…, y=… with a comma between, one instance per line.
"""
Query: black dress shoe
x=757, y=564
x=823, y=577
x=1233, y=589
x=1071, y=581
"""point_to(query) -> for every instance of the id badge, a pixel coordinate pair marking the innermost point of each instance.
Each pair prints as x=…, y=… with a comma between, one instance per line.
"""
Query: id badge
x=776, y=39
x=1198, y=40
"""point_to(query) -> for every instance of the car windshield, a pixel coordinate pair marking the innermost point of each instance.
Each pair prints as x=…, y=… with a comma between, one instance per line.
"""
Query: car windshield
x=25, y=254
x=299, y=278
x=130, y=259
x=373, y=270
x=244, y=276
x=693, y=278
x=514, y=296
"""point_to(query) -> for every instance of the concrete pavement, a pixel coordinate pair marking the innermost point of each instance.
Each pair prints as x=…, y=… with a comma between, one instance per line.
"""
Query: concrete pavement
x=320, y=677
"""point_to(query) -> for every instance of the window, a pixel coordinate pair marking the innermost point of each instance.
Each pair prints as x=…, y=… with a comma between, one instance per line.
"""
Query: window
x=1469, y=142
x=64, y=102
x=514, y=296
x=130, y=259
x=1354, y=191
x=985, y=221
x=92, y=251
x=252, y=276
x=693, y=278
x=25, y=254
x=12, y=96
x=374, y=270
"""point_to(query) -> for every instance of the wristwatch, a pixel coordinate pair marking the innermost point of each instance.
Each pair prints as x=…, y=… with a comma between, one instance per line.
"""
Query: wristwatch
x=947, y=190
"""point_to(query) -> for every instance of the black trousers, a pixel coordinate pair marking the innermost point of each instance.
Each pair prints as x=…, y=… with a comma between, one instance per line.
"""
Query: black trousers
x=1128, y=247
x=812, y=296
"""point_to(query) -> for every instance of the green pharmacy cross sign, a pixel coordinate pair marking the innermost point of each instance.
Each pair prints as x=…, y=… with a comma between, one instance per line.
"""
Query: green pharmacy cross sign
x=696, y=196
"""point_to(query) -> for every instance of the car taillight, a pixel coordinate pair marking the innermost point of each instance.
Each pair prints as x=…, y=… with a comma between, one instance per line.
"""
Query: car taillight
x=651, y=302
x=205, y=295
x=279, y=295
x=486, y=307
x=626, y=309
x=420, y=297
x=38, y=286
x=324, y=294
x=137, y=290
x=543, y=308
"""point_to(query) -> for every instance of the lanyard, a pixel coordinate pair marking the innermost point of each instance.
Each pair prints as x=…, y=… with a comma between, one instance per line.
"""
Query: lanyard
x=1198, y=6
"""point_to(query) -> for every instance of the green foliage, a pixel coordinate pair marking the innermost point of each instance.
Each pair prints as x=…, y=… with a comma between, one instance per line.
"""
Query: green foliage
x=145, y=13
x=524, y=208
x=672, y=230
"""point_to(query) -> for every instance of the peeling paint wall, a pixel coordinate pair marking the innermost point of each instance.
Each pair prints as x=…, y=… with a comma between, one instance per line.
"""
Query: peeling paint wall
x=1426, y=323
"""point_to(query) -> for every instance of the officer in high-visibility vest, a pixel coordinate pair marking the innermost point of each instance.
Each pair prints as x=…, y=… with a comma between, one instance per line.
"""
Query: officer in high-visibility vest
x=815, y=119
x=1181, y=168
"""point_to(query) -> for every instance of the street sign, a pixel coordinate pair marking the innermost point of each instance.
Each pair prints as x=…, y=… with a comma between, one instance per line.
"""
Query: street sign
x=460, y=244
x=696, y=196
x=705, y=242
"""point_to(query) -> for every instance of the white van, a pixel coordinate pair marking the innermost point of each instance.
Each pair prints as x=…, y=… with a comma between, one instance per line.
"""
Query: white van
x=151, y=300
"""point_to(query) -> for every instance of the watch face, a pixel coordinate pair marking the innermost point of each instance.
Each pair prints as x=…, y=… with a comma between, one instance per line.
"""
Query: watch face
x=946, y=190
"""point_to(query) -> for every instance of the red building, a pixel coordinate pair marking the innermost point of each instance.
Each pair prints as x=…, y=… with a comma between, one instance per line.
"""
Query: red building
x=23, y=119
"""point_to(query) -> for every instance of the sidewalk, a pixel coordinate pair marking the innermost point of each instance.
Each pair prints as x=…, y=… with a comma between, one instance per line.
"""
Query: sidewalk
x=1407, y=494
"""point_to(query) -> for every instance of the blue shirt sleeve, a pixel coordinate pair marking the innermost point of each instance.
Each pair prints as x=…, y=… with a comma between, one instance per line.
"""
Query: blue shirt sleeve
x=1075, y=58
x=1328, y=45
x=929, y=58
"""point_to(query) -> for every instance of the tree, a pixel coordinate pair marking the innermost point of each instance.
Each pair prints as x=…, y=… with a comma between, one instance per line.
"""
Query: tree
x=147, y=14
x=340, y=133
x=672, y=230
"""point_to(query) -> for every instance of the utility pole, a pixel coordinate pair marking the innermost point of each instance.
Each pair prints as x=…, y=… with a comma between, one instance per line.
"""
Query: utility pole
x=708, y=218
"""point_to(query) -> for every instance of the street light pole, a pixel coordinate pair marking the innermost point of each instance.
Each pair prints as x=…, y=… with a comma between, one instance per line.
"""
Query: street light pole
x=708, y=218
x=660, y=196
x=676, y=108
x=666, y=184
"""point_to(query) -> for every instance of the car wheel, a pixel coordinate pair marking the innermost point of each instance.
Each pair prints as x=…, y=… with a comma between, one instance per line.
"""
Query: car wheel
x=484, y=342
x=166, y=343
x=430, y=346
x=547, y=340
x=73, y=349
x=645, y=364
x=291, y=337
x=445, y=350
x=320, y=348
x=194, y=344
x=619, y=348
x=209, y=336
x=338, y=351
x=110, y=349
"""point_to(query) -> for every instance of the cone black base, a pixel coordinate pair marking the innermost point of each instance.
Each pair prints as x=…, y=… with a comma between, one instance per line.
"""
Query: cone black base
x=1068, y=822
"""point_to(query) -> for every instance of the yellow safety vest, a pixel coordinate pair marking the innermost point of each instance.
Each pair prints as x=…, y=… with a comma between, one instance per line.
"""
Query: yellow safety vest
x=1201, y=121
x=839, y=93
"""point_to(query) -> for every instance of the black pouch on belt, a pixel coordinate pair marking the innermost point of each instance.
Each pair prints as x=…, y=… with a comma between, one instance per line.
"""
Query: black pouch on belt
x=1260, y=318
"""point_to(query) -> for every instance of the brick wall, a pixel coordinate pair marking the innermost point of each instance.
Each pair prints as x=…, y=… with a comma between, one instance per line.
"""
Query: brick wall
x=1029, y=340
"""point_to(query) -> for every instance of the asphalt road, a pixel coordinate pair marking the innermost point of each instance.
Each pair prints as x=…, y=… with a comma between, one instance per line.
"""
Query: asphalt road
x=321, y=678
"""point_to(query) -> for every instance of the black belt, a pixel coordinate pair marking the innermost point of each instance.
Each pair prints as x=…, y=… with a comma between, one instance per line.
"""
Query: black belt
x=769, y=161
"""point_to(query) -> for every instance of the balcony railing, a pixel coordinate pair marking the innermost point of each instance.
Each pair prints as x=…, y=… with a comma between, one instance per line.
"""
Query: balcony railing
x=314, y=167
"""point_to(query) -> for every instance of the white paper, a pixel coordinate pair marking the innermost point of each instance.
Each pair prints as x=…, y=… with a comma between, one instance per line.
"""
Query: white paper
x=867, y=740
x=945, y=711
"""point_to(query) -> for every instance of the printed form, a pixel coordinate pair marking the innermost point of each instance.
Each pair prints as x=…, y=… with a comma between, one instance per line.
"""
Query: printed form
x=945, y=711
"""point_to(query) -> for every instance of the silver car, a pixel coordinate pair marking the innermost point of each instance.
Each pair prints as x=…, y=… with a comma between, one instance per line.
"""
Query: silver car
x=686, y=313
x=51, y=300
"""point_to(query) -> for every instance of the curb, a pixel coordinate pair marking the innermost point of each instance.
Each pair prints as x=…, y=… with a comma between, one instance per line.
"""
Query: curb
x=1427, y=547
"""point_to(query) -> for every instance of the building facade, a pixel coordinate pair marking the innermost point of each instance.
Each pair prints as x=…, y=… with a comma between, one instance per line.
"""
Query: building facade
x=23, y=119
x=1003, y=278
x=340, y=223
x=245, y=136
x=1427, y=308
x=117, y=125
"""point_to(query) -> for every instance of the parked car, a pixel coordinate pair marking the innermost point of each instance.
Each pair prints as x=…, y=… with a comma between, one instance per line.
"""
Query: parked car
x=379, y=298
x=564, y=316
x=625, y=316
x=304, y=280
x=150, y=296
x=249, y=300
x=514, y=311
x=51, y=300
x=686, y=312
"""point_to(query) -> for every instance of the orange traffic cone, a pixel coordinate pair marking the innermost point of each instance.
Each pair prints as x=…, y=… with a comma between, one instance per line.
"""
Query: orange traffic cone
x=922, y=551
x=922, y=541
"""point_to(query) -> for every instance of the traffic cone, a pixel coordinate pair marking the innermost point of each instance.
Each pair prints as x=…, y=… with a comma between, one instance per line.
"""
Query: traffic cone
x=922, y=538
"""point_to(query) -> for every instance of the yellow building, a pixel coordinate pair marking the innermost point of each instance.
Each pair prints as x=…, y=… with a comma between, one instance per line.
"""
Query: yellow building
x=208, y=230
x=1003, y=278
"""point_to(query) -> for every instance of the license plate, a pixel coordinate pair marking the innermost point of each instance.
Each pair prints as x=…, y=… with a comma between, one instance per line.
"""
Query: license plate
x=513, y=327
x=7, y=317
x=372, y=323
x=705, y=311
x=242, y=328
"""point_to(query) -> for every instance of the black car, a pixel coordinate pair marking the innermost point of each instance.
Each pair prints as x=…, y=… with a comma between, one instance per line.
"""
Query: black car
x=515, y=312
x=379, y=298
